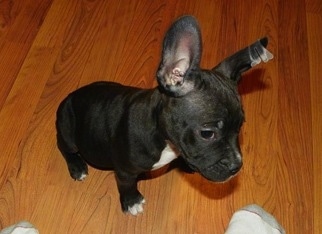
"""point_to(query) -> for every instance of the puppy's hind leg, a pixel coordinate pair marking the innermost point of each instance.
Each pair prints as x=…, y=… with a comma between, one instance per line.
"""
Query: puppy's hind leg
x=65, y=125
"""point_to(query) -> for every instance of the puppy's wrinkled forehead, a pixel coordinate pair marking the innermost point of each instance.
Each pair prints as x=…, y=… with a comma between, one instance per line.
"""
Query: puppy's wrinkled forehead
x=210, y=102
x=214, y=94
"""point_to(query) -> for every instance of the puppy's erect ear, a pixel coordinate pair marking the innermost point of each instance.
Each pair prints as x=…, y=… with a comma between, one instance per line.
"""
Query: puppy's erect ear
x=181, y=53
x=233, y=66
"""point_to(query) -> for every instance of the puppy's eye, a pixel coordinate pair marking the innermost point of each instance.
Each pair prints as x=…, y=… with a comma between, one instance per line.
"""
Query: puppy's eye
x=207, y=134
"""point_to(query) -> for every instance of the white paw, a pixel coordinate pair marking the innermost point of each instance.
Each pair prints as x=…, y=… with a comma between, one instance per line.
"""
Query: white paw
x=136, y=208
x=82, y=177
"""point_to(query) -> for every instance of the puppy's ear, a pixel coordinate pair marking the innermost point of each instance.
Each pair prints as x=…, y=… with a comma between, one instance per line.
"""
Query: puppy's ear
x=233, y=66
x=181, y=53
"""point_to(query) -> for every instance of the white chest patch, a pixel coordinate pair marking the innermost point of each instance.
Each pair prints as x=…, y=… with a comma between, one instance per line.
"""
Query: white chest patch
x=168, y=154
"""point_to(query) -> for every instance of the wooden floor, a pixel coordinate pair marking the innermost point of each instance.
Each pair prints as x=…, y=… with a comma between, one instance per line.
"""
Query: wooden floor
x=50, y=47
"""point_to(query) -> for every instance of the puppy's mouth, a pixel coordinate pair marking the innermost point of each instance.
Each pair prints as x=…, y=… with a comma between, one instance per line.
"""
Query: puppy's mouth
x=217, y=172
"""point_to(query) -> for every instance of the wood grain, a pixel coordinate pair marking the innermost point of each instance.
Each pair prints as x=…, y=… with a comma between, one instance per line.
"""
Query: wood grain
x=314, y=20
x=19, y=24
x=49, y=48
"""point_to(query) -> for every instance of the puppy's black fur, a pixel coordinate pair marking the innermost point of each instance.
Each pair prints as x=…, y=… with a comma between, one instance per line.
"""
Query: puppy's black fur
x=194, y=113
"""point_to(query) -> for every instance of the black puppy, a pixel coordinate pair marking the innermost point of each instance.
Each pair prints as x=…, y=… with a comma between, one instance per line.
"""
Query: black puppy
x=194, y=113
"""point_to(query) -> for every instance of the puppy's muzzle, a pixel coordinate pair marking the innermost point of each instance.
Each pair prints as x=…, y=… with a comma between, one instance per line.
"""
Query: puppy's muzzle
x=223, y=169
x=232, y=167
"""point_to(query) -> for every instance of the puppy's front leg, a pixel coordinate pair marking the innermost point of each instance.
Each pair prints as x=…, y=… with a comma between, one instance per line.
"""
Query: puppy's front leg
x=131, y=199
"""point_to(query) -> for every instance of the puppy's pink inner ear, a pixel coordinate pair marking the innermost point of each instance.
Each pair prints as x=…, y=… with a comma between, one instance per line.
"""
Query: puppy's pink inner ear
x=176, y=77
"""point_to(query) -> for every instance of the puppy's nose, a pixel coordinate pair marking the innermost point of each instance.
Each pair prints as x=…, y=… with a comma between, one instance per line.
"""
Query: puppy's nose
x=235, y=167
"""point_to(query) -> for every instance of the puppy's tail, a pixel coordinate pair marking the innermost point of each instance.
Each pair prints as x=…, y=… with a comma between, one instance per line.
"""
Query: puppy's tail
x=244, y=59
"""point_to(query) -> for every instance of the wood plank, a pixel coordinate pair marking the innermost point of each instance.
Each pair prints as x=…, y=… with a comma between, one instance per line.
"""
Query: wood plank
x=314, y=21
x=294, y=123
x=19, y=24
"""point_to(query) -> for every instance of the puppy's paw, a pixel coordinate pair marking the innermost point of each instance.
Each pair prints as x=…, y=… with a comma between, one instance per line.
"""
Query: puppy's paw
x=133, y=205
x=77, y=167
x=136, y=208
x=81, y=177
